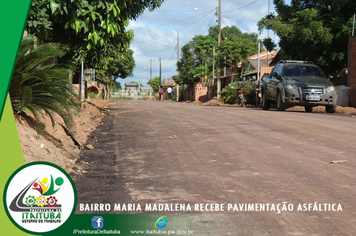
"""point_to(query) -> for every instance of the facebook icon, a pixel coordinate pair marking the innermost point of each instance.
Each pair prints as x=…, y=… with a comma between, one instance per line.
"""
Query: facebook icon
x=97, y=222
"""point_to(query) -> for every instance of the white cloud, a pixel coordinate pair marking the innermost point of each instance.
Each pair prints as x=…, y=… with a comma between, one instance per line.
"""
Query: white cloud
x=155, y=29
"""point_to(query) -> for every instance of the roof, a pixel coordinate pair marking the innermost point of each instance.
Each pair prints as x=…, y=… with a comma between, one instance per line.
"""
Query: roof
x=263, y=62
x=264, y=55
x=250, y=73
x=131, y=84
x=167, y=85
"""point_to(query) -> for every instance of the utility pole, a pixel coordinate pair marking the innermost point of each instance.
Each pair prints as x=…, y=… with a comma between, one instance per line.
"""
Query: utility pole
x=353, y=26
x=151, y=69
x=177, y=65
x=139, y=82
x=81, y=93
x=268, y=37
x=160, y=72
x=213, y=63
x=258, y=66
x=151, y=77
x=160, y=77
x=219, y=49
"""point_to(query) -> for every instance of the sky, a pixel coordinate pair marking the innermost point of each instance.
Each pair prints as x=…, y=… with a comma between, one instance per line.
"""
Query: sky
x=156, y=32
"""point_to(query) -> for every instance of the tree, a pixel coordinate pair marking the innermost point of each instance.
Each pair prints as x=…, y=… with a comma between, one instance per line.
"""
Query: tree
x=203, y=50
x=84, y=26
x=228, y=33
x=36, y=87
x=196, y=62
x=315, y=30
x=117, y=86
x=186, y=66
x=154, y=83
x=104, y=78
x=123, y=64
x=115, y=64
x=236, y=51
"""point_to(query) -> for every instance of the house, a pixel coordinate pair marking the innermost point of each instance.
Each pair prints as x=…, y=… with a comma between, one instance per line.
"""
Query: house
x=132, y=87
x=168, y=83
x=90, y=85
x=267, y=61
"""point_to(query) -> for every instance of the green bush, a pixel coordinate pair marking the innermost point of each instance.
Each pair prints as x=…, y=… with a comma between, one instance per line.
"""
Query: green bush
x=123, y=97
x=249, y=94
x=38, y=84
x=229, y=95
x=92, y=95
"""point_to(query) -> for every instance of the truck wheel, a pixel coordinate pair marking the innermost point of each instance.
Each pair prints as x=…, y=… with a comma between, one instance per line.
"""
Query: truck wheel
x=330, y=109
x=280, y=105
x=265, y=102
x=308, y=109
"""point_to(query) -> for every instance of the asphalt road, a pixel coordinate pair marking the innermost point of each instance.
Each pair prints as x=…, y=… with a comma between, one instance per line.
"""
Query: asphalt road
x=166, y=153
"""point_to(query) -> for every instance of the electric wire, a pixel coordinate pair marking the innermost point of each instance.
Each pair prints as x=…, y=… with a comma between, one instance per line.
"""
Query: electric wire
x=179, y=30
x=247, y=5
x=184, y=28
x=209, y=23
x=170, y=56
x=153, y=26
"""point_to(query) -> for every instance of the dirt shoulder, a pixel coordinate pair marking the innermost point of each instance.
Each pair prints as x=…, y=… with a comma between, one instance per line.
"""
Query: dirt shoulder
x=56, y=145
x=351, y=111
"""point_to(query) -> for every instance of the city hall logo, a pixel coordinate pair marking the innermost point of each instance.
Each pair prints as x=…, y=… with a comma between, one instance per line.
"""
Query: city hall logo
x=39, y=197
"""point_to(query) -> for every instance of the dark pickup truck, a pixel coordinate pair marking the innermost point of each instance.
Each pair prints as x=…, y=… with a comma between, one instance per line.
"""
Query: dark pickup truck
x=298, y=83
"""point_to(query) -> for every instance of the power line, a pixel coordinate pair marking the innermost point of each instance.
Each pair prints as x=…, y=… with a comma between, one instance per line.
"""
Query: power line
x=174, y=11
x=170, y=56
x=179, y=30
x=241, y=7
x=153, y=26
x=209, y=24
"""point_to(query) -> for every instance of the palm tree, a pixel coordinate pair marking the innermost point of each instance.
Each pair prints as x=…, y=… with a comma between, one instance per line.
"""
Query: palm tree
x=38, y=84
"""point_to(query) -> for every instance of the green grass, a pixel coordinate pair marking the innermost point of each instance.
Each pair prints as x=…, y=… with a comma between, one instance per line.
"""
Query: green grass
x=121, y=97
x=92, y=95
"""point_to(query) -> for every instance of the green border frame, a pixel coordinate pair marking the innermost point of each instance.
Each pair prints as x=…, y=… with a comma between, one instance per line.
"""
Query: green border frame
x=14, y=17
x=32, y=164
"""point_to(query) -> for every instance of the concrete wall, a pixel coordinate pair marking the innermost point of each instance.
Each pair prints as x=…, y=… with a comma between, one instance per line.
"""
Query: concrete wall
x=201, y=92
x=352, y=70
x=265, y=70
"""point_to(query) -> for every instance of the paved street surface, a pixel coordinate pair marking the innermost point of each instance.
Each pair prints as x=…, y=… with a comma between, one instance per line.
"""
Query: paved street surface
x=167, y=153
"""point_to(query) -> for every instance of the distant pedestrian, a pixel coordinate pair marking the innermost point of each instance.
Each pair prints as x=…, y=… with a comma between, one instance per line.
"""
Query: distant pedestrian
x=160, y=93
x=169, y=91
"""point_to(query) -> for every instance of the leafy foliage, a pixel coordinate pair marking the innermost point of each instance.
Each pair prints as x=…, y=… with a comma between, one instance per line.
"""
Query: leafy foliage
x=154, y=83
x=115, y=64
x=269, y=44
x=196, y=61
x=249, y=93
x=186, y=66
x=85, y=26
x=37, y=87
x=229, y=95
x=315, y=30
x=228, y=33
x=235, y=51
